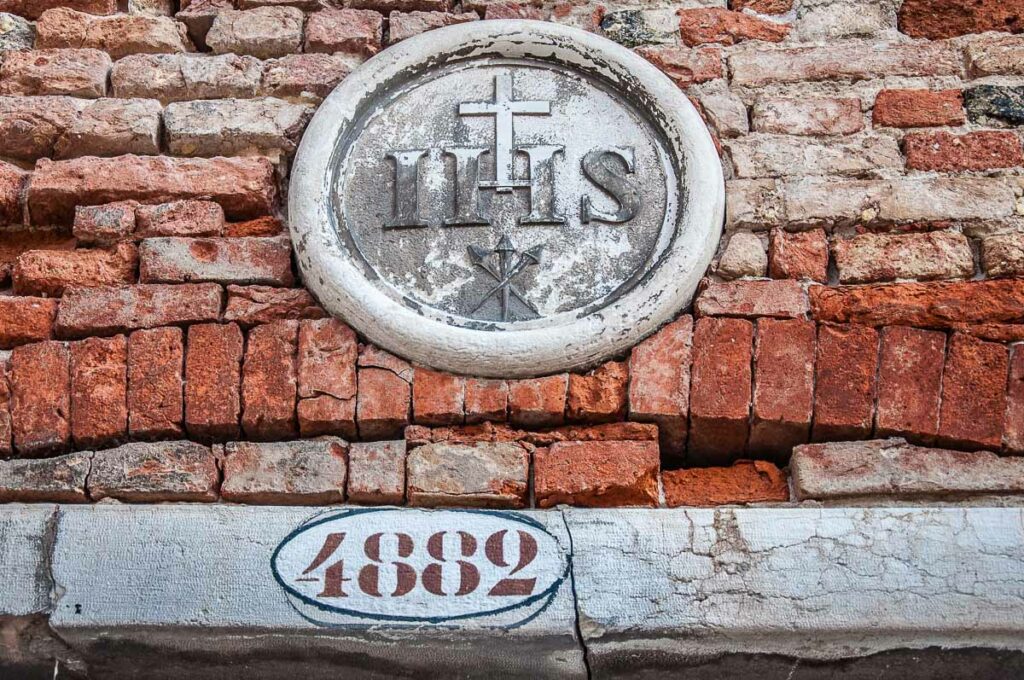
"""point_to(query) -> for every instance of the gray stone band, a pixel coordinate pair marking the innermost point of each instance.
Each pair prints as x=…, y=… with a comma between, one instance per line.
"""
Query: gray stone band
x=186, y=591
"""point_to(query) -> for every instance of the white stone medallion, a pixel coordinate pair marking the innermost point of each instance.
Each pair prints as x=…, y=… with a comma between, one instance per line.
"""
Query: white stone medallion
x=506, y=199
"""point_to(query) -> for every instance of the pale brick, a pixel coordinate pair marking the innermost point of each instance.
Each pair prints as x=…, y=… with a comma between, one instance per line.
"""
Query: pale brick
x=385, y=6
x=807, y=116
x=780, y=299
x=404, y=25
x=869, y=258
x=154, y=472
x=743, y=256
x=16, y=34
x=479, y=475
x=1013, y=422
x=659, y=383
x=180, y=218
x=107, y=310
x=263, y=32
x=33, y=9
x=77, y=73
x=376, y=472
x=117, y=35
x=198, y=16
x=754, y=203
x=354, y=31
x=250, y=260
x=308, y=77
x=309, y=472
x=185, y=77
x=996, y=57
x=111, y=127
x=727, y=114
x=764, y=155
x=12, y=183
x=5, y=409
x=227, y=127
x=1003, y=254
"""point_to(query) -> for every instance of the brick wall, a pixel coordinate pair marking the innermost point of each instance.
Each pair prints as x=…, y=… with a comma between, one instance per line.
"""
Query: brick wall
x=156, y=343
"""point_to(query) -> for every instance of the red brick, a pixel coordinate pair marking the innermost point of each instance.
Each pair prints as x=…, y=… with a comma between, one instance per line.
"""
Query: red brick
x=717, y=25
x=486, y=400
x=40, y=379
x=538, y=402
x=918, y=108
x=946, y=152
x=437, y=398
x=926, y=305
x=12, y=182
x=909, y=381
x=261, y=226
x=5, y=409
x=798, y=255
x=213, y=380
x=597, y=474
x=782, y=299
x=376, y=473
x=310, y=472
x=118, y=35
x=155, y=362
x=973, y=393
x=354, y=31
x=385, y=394
x=935, y=19
x=99, y=385
x=181, y=218
x=49, y=272
x=104, y=225
x=783, y=386
x=76, y=73
x=720, y=390
x=154, y=472
x=305, y=76
x=745, y=481
x=686, y=66
x=510, y=9
x=659, y=383
x=762, y=6
x=25, y=319
x=1013, y=424
x=244, y=187
x=264, y=261
x=327, y=378
x=270, y=382
x=253, y=305
x=18, y=240
x=32, y=9
x=845, y=382
x=109, y=310
x=405, y=25
x=599, y=396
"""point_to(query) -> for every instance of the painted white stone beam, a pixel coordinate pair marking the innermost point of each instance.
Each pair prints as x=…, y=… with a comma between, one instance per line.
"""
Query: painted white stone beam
x=25, y=540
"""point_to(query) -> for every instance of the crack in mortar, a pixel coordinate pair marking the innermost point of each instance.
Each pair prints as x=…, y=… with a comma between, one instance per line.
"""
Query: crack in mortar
x=575, y=598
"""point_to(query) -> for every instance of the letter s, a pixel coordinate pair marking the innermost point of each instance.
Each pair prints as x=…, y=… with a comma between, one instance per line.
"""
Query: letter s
x=607, y=167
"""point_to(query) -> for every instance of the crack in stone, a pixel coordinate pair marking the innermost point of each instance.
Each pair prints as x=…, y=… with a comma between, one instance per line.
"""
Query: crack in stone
x=575, y=598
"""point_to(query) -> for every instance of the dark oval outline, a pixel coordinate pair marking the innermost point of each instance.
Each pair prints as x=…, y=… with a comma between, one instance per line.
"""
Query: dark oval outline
x=309, y=524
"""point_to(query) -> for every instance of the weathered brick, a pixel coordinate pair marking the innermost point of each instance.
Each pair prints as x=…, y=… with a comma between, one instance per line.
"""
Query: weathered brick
x=404, y=25
x=1013, y=422
x=973, y=393
x=12, y=180
x=437, y=398
x=765, y=155
x=918, y=108
x=25, y=319
x=720, y=390
x=104, y=225
x=935, y=19
x=597, y=474
x=807, y=116
x=107, y=310
x=726, y=113
x=16, y=34
x=780, y=299
x=48, y=480
x=252, y=305
x=755, y=68
x=538, y=402
x=600, y=395
x=385, y=394
x=996, y=57
x=305, y=76
x=486, y=400
x=111, y=127
x=180, y=218
x=512, y=9
x=1003, y=254
x=892, y=468
x=309, y=472
x=835, y=19
x=5, y=409
x=745, y=481
x=33, y=9
x=226, y=127
x=268, y=225
x=213, y=380
x=376, y=472
x=946, y=152
x=385, y=6
x=19, y=240
x=77, y=73
x=909, y=382
x=418, y=435
x=184, y=77
x=845, y=382
x=154, y=472
x=99, y=385
x=743, y=256
x=244, y=187
x=762, y=6
x=798, y=255
x=31, y=126
x=155, y=403
x=686, y=66
x=152, y=8
x=783, y=400
x=868, y=258
x=716, y=25
x=754, y=203
x=659, y=383
x=270, y=381
x=117, y=35
x=327, y=354
x=995, y=104
x=353, y=31
x=490, y=475
x=40, y=380
x=927, y=305
x=50, y=272
x=262, y=32
x=222, y=260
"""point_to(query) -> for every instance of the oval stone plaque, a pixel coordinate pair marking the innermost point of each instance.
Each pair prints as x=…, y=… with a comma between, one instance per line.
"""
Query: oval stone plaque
x=506, y=198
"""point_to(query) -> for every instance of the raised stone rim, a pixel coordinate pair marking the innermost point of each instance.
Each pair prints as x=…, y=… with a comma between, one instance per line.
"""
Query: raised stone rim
x=343, y=289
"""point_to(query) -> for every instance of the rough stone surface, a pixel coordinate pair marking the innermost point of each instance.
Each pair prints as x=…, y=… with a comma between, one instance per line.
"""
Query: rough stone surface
x=50, y=272
x=404, y=25
x=25, y=319
x=213, y=379
x=996, y=57
x=987, y=104
x=659, y=383
x=262, y=32
x=715, y=25
x=376, y=472
x=437, y=398
x=118, y=35
x=973, y=393
x=845, y=382
x=597, y=474
x=31, y=126
x=720, y=391
x=155, y=364
x=743, y=256
x=235, y=127
x=1003, y=254
x=108, y=310
x=385, y=396
x=154, y=472
x=946, y=152
x=781, y=299
x=726, y=113
x=72, y=72
x=268, y=225
x=686, y=66
x=99, y=385
x=305, y=472
x=600, y=395
x=492, y=475
x=918, y=108
x=5, y=410
x=180, y=218
x=20, y=240
x=894, y=469
x=270, y=381
x=949, y=18
x=764, y=155
x=249, y=260
x=783, y=400
x=104, y=225
x=309, y=77
x=745, y=481
x=354, y=31
x=55, y=480
x=870, y=258
x=16, y=34
x=12, y=179
x=538, y=402
x=798, y=255
x=23, y=560
x=1013, y=424
x=909, y=382
x=486, y=400
x=40, y=381
x=252, y=305
x=807, y=116
x=184, y=77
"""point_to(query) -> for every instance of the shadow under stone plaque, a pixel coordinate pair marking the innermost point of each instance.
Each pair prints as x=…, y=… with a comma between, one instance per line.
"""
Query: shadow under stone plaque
x=506, y=198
